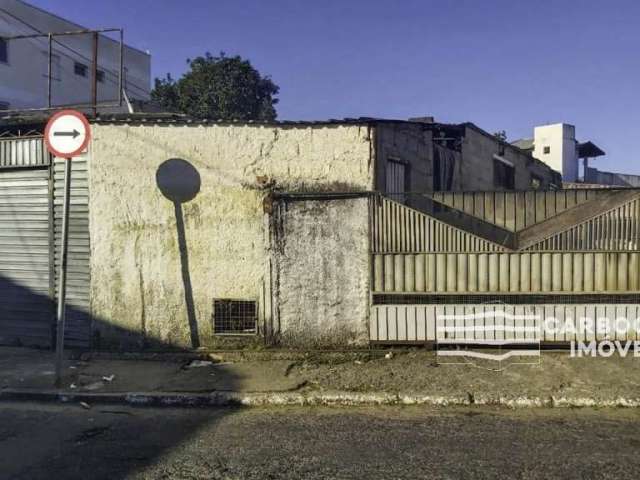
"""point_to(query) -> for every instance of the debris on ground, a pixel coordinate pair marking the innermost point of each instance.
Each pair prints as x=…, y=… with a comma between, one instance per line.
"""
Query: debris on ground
x=109, y=378
x=85, y=405
x=93, y=386
x=389, y=356
x=199, y=363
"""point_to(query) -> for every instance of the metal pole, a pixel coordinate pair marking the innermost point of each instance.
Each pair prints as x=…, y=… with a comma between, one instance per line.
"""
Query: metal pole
x=62, y=273
x=121, y=80
x=50, y=74
x=94, y=75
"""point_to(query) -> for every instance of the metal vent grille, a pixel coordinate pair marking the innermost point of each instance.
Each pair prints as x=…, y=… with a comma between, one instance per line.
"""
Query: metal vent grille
x=234, y=317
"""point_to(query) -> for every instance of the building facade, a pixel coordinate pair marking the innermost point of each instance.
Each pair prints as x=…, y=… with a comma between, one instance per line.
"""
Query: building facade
x=556, y=145
x=195, y=234
x=24, y=62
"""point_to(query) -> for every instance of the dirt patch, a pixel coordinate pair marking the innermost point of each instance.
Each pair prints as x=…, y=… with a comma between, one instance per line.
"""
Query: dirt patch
x=418, y=372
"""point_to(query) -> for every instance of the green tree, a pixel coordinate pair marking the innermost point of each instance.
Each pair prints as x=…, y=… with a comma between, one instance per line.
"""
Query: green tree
x=219, y=88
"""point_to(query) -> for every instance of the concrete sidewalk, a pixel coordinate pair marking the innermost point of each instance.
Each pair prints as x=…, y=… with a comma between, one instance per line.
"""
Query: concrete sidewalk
x=352, y=378
x=34, y=370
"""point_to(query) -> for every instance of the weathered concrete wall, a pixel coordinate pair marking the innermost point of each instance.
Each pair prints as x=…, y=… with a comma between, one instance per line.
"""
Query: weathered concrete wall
x=411, y=144
x=408, y=143
x=137, y=290
x=321, y=255
x=478, y=150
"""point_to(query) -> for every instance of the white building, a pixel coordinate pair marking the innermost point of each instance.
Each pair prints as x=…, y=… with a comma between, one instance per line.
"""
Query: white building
x=24, y=62
x=556, y=145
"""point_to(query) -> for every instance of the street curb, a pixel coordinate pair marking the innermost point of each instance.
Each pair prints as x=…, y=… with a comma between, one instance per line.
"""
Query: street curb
x=342, y=399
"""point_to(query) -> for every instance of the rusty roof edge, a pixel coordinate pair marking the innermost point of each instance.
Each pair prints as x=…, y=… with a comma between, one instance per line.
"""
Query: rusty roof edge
x=179, y=119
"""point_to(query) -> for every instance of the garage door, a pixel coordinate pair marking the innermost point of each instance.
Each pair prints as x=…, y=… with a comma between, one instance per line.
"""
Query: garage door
x=26, y=312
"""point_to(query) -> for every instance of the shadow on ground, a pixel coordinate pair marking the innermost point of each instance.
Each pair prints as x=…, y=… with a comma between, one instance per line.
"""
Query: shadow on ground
x=27, y=319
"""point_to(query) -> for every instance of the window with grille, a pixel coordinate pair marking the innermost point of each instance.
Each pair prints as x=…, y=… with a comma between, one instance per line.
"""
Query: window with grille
x=234, y=317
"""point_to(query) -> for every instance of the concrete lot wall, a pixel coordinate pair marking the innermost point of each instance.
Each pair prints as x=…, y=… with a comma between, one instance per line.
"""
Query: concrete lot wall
x=321, y=255
x=137, y=288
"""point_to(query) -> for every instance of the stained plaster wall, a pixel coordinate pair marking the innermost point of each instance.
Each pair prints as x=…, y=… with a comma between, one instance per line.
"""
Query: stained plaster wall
x=137, y=291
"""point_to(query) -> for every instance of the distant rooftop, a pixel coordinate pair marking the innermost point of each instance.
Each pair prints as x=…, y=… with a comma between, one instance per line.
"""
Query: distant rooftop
x=589, y=150
x=524, y=143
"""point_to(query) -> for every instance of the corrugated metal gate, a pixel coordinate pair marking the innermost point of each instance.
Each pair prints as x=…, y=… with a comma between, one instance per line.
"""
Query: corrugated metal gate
x=25, y=304
x=30, y=231
x=585, y=266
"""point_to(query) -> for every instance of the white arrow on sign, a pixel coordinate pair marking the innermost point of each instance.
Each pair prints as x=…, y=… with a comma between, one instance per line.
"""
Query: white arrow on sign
x=67, y=134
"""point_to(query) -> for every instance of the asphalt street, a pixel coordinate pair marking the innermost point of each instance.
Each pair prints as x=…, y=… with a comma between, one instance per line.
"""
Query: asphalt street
x=47, y=441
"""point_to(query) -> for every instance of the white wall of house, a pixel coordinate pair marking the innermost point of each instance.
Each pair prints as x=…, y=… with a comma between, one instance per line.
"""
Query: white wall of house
x=24, y=74
x=556, y=146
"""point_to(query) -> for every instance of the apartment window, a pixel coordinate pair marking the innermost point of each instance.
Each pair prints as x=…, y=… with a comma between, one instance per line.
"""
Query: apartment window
x=546, y=150
x=80, y=69
x=504, y=174
x=4, y=51
x=100, y=76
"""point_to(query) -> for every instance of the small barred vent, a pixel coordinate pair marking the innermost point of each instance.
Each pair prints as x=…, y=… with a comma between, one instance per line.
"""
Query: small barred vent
x=234, y=317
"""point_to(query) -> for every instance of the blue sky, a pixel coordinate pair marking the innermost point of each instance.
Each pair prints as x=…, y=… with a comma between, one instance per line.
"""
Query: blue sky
x=504, y=65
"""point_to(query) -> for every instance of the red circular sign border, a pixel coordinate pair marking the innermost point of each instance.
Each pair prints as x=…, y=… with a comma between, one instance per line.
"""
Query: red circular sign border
x=85, y=142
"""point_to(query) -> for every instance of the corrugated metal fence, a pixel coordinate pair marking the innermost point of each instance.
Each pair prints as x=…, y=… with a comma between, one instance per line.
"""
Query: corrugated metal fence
x=419, y=323
x=423, y=268
x=507, y=272
x=617, y=229
x=515, y=210
x=23, y=152
x=397, y=228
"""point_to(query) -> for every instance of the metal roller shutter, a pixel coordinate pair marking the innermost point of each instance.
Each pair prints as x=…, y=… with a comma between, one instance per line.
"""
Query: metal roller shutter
x=26, y=311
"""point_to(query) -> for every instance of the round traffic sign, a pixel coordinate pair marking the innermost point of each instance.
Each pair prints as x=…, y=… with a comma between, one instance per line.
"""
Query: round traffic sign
x=67, y=134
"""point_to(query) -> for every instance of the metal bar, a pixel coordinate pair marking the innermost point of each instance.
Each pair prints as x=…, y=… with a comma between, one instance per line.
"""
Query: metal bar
x=72, y=32
x=68, y=105
x=121, y=80
x=94, y=75
x=50, y=73
x=62, y=274
x=52, y=241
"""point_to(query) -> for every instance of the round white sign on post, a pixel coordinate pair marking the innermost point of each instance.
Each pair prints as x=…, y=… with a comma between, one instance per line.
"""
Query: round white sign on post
x=67, y=134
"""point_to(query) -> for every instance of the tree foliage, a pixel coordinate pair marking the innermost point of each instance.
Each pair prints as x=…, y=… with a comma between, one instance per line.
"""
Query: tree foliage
x=219, y=88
